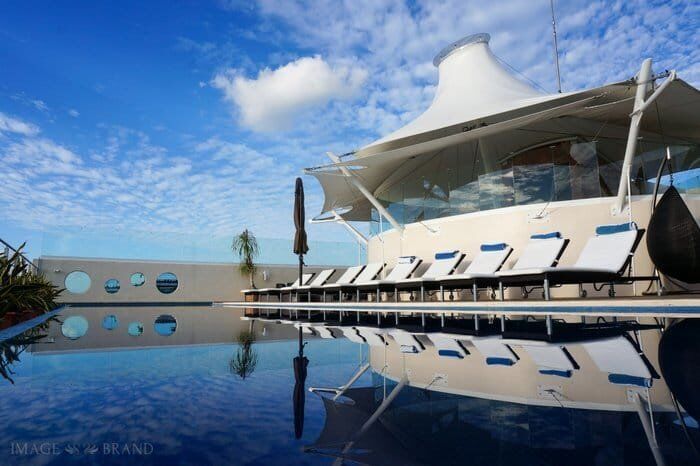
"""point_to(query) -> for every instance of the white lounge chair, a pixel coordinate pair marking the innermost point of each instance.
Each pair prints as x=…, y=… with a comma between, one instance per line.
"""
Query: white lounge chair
x=319, y=280
x=481, y=271
x=444, y=264
x=278, y=291
x=368, y=273
x=621, y=360
x=405, y=266
x=604, y=259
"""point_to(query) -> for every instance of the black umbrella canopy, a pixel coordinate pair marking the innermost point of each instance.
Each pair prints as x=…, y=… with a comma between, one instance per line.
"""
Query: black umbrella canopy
x=300, y=244
x=299, y=397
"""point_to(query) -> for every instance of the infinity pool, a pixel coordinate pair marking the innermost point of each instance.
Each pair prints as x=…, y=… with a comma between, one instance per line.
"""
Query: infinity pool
x=166, y=386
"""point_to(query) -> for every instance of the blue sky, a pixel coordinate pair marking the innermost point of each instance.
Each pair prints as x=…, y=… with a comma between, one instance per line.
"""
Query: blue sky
x=193, y=118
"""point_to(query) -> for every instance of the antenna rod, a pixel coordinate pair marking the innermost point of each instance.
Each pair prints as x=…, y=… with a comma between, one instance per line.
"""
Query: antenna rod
x=556, y=47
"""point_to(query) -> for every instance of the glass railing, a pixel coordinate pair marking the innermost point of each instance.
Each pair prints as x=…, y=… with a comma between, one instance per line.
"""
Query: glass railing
x=178, y=247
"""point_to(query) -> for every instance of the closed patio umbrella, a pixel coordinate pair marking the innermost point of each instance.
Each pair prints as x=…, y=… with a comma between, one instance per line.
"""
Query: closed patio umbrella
x=300, y=245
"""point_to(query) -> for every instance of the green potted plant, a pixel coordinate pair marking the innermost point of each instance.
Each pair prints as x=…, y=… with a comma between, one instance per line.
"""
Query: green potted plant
x=246, y=246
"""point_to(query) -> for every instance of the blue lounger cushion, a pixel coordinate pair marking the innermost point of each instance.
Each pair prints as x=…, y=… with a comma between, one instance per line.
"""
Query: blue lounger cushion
x=555, y=372
x=624, y=379
x=494, y=247
x=499, y=362
x=450, y=354
x=445, y=255
x=612, y=229
x=553, y=234
x=406, y=259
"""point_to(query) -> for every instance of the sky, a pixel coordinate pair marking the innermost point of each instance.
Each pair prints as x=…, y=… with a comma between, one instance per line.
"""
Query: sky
x=193, y=118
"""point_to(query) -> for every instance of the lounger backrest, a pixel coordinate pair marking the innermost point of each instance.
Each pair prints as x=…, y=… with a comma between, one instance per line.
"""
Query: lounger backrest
x=305, y=278
x=445, y=263
x=405, y=266
x=490, y=258
x=620, y=359
x=610, y=248
x=369, y=273
x=542, y=250
x=322, y=277
x=550, y=359
x=349, y=275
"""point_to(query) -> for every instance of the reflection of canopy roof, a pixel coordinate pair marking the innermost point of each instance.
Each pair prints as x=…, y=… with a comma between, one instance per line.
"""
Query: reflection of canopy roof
x=344, y=420
x=476, y=98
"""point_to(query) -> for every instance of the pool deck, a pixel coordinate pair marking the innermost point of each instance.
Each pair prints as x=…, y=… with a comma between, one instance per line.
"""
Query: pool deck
x=643, y=306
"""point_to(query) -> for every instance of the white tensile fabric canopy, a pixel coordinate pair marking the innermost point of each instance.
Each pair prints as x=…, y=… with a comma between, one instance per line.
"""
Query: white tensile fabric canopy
x=478, y=99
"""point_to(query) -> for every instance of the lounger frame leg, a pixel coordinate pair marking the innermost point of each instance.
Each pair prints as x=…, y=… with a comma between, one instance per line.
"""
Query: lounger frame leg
x=476, y=323
x=422, y=293
x=549, y=325
x=545, y=285
x=501, y=291
x=475, y=292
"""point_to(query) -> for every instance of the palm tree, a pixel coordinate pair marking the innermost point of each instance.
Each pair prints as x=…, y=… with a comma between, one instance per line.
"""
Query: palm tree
x=246, y=358
x=246, y=246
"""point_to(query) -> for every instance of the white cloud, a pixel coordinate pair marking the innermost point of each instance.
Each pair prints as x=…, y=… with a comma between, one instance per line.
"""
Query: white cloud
x=13, y=125
x=272, y=100
x=74, y=113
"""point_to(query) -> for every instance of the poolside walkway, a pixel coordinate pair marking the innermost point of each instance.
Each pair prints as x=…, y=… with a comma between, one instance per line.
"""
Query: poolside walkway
x=651, y=306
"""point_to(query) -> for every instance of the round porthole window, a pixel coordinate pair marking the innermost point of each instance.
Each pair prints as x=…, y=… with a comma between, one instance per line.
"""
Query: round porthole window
x=137, y=279
x=110, y=322
x=165, y=325
x=166, y=282
x=135, y=329
x=77, y=282
x=74, y=327
x=112, y=285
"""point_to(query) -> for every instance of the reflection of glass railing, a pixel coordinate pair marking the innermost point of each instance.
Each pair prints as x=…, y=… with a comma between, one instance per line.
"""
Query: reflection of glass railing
x=186, y=248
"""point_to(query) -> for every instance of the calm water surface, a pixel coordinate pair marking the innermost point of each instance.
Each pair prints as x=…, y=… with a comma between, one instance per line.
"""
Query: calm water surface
x=173, y=394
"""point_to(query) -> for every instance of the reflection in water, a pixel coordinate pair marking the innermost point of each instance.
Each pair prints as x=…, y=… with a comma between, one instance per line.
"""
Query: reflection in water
x=110, y=322
x=74, y=327
x=135, y=329
x=12, y=348
x=246, y=358
x=165, y=325
x=403, y=396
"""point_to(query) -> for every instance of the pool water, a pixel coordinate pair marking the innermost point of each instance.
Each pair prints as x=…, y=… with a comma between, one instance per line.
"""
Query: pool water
x=174, y=394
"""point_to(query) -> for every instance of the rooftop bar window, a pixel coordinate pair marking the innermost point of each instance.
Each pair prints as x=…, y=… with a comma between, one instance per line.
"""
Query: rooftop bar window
x=479, y=176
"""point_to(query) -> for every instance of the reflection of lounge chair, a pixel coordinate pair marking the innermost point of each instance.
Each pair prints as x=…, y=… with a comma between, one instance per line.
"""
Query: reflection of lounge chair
x=448, y=345
x=371, y=336
x=551, y=359
x=405, y=266
x=604, y=259
x=408, y=342
x=318, y=329
x=369, y=272
x=494, y=350
x=621, y=360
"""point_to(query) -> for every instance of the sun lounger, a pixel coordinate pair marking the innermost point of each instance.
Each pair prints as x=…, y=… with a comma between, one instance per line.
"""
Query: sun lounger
x=405, y=266
x=345, y=279
x=621, y=360
x=604, y=259
x=444, y=264
x=319, y=280
x=278, y=291
x=369, y=272
x=480, y=272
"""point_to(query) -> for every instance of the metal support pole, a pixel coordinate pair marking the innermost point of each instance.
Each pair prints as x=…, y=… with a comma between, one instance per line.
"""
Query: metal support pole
x=548, y=320
x=365, y=192
x=546, y=289
x=648, y=431
x=382, y=407
x=642, y=82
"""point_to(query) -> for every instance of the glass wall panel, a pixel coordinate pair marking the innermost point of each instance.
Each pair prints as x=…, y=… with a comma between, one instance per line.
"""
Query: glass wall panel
x=485, y=175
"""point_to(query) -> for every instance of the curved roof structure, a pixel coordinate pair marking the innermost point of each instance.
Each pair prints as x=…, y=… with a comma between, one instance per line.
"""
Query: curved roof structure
x=477, y=97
